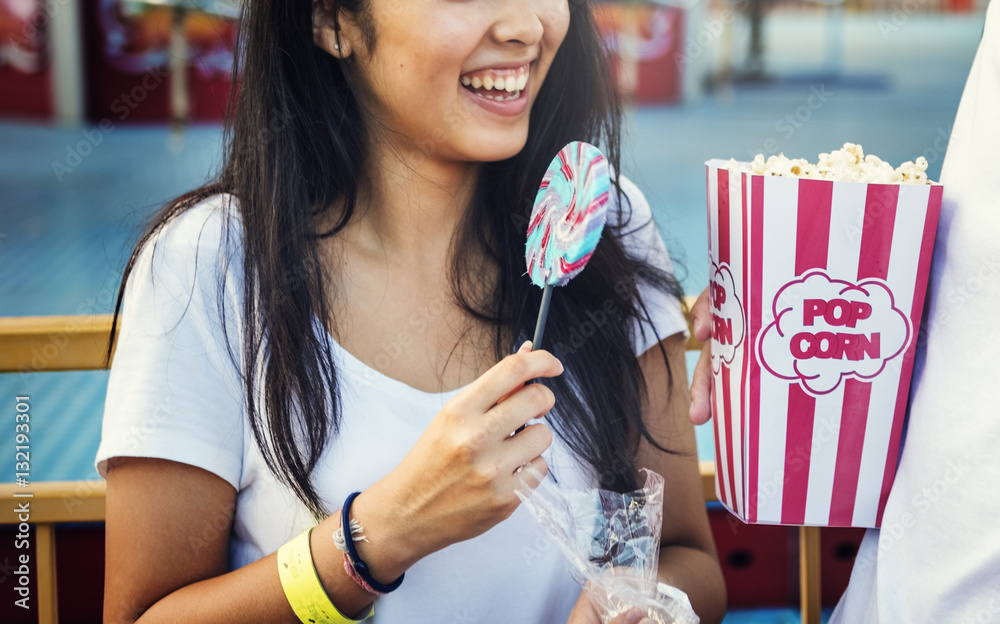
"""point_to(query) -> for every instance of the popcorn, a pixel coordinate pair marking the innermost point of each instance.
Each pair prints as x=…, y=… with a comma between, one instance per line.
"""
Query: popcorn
x=848, y=164
x=817, y=290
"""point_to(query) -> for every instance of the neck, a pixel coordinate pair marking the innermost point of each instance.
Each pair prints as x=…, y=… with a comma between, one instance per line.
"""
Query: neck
x=411, y=205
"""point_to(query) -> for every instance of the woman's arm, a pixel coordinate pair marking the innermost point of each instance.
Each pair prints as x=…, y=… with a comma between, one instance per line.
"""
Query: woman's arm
x=168, y=523
x=688, y=559
x=168, y=527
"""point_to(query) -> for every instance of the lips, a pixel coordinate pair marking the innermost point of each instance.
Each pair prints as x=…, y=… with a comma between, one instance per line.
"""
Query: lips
x=497, y=84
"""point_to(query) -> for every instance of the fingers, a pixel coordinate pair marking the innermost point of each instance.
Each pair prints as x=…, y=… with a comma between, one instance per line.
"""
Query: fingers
x=524, y=348
x=701, y=316
x=507, y=377
x=701, y=387
x=525, y=447
x=632, y=616
x=583, y=611
x=527, y=403
x=701, y=382
x=533, y=472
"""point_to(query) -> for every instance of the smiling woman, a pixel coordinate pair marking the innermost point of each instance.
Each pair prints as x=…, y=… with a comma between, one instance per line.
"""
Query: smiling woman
x=417, y=67
x=275, y=320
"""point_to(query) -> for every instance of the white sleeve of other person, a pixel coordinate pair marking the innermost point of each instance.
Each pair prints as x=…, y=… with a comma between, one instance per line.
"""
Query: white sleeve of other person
x=937, y=556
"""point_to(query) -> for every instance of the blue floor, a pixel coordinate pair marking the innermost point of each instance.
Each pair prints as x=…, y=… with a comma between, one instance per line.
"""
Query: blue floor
x=65, y=234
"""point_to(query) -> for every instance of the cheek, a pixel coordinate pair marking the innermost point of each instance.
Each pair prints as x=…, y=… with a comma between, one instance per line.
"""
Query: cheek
x=556, y=23
x=556, y=19
x=432, y=64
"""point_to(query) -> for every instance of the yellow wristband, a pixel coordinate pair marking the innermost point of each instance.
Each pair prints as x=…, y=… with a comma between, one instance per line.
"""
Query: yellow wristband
x=302, y=587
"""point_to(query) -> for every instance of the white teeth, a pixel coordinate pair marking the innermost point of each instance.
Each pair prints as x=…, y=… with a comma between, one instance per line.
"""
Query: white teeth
x=501, y=98
x=503, y=85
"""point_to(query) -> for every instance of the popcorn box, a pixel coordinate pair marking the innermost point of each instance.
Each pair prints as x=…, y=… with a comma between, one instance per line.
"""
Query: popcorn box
x=817, y=289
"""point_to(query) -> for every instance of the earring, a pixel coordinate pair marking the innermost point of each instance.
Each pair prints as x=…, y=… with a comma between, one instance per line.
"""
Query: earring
x=341, y=50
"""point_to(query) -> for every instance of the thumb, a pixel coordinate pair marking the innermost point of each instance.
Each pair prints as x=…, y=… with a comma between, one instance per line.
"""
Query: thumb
x=632, y=616
x=701, y=387
x=701, y=317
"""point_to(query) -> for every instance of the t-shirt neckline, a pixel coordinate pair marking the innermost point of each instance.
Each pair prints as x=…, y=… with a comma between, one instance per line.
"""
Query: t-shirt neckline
x=376, y=378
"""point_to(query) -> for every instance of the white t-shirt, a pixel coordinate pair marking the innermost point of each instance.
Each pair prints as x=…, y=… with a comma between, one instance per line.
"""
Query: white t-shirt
x=175, y=394
x=937, y=556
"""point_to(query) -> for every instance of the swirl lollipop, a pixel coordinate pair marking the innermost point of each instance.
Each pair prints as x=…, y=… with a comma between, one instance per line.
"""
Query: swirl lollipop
x=567, y=220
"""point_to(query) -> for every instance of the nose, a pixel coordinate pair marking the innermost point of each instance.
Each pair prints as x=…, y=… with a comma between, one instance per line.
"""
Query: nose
x=520, y=21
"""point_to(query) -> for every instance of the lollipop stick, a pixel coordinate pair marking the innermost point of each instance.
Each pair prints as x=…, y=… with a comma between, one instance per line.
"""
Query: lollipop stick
x=543, y=315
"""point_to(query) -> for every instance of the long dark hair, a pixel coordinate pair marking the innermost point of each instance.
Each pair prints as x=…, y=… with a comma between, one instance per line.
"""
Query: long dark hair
x=295, y=148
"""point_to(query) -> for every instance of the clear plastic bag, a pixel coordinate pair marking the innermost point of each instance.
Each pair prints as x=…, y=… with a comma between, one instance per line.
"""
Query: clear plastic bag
x=612, y=542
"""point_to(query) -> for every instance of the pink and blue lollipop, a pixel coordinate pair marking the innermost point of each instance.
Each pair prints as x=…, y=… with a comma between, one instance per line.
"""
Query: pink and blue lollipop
x=567, y=220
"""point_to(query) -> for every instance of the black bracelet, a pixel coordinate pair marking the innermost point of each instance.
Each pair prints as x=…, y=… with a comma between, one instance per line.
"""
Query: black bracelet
x=360, y=567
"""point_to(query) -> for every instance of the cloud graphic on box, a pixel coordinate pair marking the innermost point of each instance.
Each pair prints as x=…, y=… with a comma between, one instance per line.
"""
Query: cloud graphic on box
x=826, y=329
x=728, y=320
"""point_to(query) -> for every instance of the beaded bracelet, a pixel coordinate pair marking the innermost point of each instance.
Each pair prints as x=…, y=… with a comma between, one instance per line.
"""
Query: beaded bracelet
x=356, y=568
x=303, y=588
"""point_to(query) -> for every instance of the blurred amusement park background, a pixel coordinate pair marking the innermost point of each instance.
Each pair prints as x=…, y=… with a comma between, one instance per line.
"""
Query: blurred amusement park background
x=108, y=108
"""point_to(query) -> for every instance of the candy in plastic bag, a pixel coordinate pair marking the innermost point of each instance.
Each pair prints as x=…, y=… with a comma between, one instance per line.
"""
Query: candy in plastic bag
x=612, y=542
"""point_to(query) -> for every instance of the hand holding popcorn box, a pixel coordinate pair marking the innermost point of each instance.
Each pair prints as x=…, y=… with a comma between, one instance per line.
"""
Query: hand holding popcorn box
x=818, y=277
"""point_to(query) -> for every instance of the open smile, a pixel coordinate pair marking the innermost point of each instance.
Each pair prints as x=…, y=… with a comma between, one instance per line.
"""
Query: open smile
x=502, y=85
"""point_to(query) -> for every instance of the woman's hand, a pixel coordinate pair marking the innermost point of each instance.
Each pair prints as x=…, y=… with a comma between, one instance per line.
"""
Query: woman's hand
x=458, y=480
x=701, y=382
x=584, y=612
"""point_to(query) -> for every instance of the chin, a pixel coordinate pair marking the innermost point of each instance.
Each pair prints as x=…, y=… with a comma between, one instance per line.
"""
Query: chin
x=500, y=150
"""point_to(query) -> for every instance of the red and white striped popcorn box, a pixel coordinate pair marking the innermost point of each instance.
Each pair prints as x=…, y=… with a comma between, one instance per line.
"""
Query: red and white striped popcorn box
x=817, y=289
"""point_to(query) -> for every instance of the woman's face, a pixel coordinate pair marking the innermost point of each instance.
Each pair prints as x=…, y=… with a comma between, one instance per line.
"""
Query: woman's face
x=455, y=80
